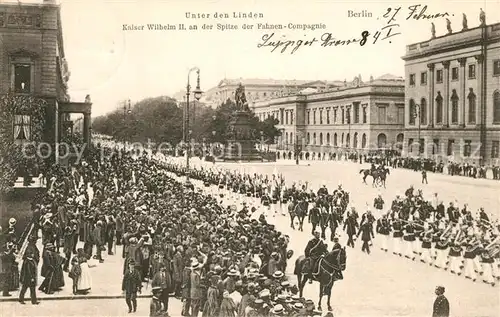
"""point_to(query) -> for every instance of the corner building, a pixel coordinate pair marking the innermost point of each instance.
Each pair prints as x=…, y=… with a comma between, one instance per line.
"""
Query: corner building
x=33, y=63
x=452, y=96
x=357, y=117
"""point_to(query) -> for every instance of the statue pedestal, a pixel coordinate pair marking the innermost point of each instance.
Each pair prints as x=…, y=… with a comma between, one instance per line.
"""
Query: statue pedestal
x=242, y=146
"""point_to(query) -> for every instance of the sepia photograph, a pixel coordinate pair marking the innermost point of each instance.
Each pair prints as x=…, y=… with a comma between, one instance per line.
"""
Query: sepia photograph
x=273, y=158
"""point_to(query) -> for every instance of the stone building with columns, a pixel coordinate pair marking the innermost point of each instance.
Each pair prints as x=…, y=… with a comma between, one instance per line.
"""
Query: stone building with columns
x=258, y=89
x=356, y=117
x=452, y=95
x=33, y=63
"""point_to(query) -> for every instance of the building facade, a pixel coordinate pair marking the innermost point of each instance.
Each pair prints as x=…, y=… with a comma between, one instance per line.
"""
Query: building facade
x=359, y=116
x=452, y=96
x=33, y=63
x=262, y=89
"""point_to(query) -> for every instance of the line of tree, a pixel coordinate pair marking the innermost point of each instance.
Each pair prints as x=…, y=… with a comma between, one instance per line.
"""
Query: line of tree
x=160, y=119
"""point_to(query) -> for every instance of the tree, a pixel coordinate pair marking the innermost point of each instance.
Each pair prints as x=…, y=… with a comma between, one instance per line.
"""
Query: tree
x=222, y=122
x=269, y=130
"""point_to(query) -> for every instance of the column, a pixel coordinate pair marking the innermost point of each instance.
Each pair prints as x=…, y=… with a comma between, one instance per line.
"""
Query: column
x=430, y=82
x=86, y=128
x=463, y=99
x=446, y=97
x=479, y=94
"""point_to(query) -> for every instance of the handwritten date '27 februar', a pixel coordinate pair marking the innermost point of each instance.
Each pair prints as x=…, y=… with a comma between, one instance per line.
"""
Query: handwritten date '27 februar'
x=389, y=29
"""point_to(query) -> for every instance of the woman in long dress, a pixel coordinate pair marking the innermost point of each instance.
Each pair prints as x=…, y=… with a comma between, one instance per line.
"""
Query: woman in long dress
x=84, y=283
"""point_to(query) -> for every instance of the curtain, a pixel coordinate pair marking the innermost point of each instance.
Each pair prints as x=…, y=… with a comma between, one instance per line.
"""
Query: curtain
x=27, y=127
x=18, y=123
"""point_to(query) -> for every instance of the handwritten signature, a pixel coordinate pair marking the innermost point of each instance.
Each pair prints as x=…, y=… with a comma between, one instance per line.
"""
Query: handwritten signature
x=387, y=31
x=326, y=40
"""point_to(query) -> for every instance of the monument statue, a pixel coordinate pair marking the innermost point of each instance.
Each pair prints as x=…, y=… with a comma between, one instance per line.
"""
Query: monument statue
x=433, y=30
x=241, y=145
x=482, y=17
x=464, y=22
x=241, y=99
x=448, y=26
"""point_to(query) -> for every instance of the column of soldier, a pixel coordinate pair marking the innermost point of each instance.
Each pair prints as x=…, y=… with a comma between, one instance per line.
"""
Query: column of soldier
x=211, y=255
x=451, y=239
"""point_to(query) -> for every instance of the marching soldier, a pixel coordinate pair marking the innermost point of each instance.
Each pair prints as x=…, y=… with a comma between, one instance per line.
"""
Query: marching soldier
x=397, y=235
x=378, y=203
x=425, y=256
x=471, y=251
x=409, y=238
x=384, y=228
x=441, y=256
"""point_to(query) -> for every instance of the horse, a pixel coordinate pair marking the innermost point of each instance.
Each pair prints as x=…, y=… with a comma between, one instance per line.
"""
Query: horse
x=298, y=208
x=379, y=176
x=326, y=270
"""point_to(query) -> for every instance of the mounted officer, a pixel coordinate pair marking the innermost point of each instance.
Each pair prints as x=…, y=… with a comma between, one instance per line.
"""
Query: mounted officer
x=314, y=250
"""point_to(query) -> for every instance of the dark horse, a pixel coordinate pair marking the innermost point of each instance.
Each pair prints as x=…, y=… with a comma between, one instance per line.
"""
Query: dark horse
x=326, y=270
x=379, y=176
x=298, y=208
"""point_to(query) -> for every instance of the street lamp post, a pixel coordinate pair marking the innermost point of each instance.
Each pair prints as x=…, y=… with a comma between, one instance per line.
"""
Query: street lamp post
x=417, y=116
x=126, y=110
x=197, y=95
x=298, y=146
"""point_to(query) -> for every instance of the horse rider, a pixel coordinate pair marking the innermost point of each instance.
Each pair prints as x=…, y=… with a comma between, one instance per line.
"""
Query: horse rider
x=314, y=250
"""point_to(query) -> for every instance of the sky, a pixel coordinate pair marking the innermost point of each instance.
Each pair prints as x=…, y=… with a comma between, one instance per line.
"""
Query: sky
x=113, y=65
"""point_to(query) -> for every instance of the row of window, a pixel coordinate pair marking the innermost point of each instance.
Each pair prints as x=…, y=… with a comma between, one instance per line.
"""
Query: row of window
x=420, y=110
x=471, y=74
x=332, y=116
x=345, y=139
x=467, y=150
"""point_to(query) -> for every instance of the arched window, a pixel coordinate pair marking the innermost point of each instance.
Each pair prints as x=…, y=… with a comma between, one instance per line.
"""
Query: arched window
x=355, y=145
x=454, y=107
x=308, y=138
x=321, y=139
x=348, y=140
x=328, y=139
x=291, y=138
x=412, y=112
x=314, y=138
x=400, y=138
x=496, y=107
x=472, y=106
x=381, y=140
x=342, y=140
x=335, y=143
x=286, y=138
x=363, y=141
x=423, y=111
x=439, y=108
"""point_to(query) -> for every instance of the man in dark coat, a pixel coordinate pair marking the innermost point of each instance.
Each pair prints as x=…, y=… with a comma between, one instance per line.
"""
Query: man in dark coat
x=6, y=266
x=163, y=280
x=33, y=249
x=441, y=305
x=350, y=227
x=367, y=234
x=28, y=278
x=314, y=249
x=131, y=285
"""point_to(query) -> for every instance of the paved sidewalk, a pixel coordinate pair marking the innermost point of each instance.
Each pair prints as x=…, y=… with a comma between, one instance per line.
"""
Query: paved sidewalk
x=106, y=279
